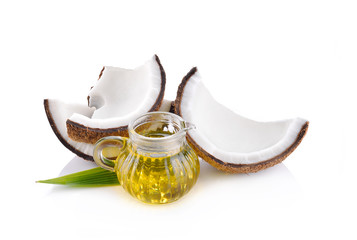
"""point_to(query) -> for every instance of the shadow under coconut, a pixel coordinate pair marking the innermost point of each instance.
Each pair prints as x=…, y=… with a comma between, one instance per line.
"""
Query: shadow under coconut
x=77, y=164
x=208, y=173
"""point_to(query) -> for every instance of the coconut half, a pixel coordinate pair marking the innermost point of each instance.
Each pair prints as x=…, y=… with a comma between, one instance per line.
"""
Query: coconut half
x=57, y=114
x=119, y=96
x=228, y=141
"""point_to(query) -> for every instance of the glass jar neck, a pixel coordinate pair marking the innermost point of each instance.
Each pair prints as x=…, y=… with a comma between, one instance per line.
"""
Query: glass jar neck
x=158, y=133
x=163, y=146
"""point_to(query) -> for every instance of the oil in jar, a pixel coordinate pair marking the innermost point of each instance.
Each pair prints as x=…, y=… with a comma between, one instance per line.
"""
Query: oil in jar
x=158, y=177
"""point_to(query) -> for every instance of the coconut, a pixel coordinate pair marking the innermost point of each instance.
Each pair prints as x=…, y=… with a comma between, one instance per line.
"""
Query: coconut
x=58, y=112
x=231, y=142
x=119, y=96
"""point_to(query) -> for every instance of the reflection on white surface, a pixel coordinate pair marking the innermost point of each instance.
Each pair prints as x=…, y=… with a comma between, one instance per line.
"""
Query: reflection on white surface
x=275, y=183
x=77, y=164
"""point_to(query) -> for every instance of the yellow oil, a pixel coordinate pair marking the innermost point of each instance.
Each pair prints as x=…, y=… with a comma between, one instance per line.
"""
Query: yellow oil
x=157, y=177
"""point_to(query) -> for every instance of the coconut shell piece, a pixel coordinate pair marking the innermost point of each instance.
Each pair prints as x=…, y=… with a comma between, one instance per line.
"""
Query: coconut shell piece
x=57, y=112
x=262, y=158
x=81, y=132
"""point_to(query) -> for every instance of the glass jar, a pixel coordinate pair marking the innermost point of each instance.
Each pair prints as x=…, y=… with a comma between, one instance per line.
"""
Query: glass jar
x=155, y=164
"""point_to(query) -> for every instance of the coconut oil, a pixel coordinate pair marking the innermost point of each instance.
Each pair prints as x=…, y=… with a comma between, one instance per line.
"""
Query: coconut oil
x=157, y=177
x=155, y=164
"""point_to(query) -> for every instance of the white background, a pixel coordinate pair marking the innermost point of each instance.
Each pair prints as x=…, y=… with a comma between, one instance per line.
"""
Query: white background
x=266, y=60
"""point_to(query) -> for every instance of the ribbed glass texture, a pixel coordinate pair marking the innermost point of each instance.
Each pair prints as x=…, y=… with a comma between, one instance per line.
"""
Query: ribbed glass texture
x=155, y=164
x=154, y=177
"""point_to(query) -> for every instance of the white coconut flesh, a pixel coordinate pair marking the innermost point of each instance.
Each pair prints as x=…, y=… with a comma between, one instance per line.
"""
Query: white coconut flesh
x=57, y=113
x=166, y=106
x=228, y=137
x=122, y=95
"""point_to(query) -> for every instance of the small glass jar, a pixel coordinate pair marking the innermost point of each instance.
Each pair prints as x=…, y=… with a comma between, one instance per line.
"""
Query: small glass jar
x=155, y=164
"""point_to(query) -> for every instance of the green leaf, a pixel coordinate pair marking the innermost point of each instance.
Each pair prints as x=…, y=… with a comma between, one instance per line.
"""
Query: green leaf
x=92, y=177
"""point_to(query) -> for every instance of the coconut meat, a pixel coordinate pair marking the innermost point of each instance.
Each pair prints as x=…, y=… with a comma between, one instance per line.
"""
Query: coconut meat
x=121, y=95
x=165, y=106
x=229, y=136
x=58, y=112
